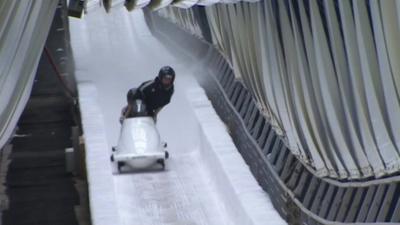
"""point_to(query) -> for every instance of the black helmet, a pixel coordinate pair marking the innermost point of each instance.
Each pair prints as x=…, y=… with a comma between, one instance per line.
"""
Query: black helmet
x=166, y=72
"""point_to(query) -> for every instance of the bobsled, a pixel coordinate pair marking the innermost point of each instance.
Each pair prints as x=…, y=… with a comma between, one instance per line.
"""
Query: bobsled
x=139, y=145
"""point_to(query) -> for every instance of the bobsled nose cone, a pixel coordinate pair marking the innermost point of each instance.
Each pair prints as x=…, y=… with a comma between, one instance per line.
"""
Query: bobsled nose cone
x=139, y=145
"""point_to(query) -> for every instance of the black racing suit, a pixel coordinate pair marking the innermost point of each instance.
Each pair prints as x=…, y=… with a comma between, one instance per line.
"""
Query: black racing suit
x=153, y=94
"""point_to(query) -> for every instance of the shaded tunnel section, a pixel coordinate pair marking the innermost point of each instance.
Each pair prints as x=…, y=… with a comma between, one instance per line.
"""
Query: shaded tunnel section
x=40, y=190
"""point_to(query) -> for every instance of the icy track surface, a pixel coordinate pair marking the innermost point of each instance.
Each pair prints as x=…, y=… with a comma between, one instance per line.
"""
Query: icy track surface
x=113, y=53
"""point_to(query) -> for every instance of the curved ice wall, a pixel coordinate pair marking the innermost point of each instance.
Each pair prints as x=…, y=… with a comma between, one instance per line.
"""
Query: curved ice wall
x=325, y=73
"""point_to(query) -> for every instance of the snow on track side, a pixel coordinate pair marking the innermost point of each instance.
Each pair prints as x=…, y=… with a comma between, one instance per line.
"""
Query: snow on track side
x=99, y=177
x=244, y=199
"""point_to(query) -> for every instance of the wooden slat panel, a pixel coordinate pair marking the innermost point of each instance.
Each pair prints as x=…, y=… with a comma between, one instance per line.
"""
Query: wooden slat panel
x=221, y=64
x=316, y=205
x=282, y=158
x=222, y=75
x=327, y=201
x=275, y=150
x=229, y=84
x=251, y=108
x=376, y=203
x=264, y=134
x=231, y=91
x=245, y=106
x=252, y=119
x=346, y=203
x=272, y=137
x=229, y=79
x=295, y=176
x=217, y=65
x=395, y=217
x=240, y=101
x=257, y=128
x=312, y=190
x=335, y=204
x=362, y=215
x=387, y=201
x=302, y=186
x=288, y=167
x=236, y=94
x=356, y=204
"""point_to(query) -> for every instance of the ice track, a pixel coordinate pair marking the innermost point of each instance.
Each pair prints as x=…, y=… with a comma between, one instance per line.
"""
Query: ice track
x=206, y=182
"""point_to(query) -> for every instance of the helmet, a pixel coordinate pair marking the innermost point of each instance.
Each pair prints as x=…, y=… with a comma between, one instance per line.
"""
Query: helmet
x=166, y=76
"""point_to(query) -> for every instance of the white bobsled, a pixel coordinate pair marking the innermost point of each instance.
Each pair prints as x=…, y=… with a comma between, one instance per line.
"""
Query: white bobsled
x=139, y=145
